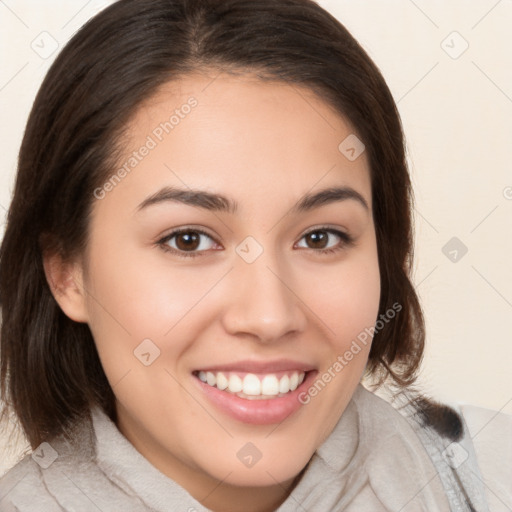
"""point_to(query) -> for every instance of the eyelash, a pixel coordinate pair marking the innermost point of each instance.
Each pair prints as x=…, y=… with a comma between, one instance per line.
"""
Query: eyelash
x=346, y=241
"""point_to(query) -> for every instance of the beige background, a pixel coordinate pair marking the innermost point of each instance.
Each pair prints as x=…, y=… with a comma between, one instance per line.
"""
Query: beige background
x=456, y=106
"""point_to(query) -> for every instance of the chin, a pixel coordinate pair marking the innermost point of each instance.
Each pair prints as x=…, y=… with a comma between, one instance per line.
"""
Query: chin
x=252, y=467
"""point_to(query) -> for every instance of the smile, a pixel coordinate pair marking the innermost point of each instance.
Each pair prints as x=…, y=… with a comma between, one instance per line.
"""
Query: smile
x=255, y=392
x=254, y=386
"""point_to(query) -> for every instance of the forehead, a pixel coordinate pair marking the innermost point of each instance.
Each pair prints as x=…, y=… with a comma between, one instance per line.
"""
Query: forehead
x=240, y=133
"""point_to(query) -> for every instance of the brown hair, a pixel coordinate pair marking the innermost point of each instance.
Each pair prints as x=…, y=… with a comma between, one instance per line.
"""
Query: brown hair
x=50, y=370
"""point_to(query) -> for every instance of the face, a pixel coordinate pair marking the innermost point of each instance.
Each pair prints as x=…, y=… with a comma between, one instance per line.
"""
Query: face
x=237, y=248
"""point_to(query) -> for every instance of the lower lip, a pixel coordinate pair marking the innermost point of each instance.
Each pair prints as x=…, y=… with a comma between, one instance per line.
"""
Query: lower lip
x=257, y=412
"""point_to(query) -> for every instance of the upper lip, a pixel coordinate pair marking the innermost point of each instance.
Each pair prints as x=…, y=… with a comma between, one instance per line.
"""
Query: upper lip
x=249, y=366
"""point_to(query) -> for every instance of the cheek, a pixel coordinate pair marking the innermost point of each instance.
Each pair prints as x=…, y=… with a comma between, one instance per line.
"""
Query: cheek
x=143, y=295
x=358, y=297
x=144, y=315
x=347, y=298
x=132, y=298
x=347, y=303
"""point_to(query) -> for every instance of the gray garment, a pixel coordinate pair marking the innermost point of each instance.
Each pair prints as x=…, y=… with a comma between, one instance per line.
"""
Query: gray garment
x=376, y=459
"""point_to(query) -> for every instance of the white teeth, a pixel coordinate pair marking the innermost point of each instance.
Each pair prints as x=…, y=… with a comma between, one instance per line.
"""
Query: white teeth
x=235, y=383
x=294, y=381
x=222, y=382
x=270, y=385
x=284, y=384
x=253, y=386
x=211, y=379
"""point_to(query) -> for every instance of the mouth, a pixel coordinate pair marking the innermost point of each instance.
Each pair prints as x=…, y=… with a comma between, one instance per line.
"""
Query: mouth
x=253, y=386
x=256, y=393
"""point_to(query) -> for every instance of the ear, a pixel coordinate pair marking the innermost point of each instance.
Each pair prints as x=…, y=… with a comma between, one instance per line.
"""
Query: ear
x=65, y=280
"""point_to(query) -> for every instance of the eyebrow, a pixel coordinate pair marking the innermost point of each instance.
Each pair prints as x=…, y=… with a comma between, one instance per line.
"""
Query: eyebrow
x=220, y=203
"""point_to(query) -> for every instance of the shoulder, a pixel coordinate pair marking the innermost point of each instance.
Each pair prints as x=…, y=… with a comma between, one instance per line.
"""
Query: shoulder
x=39, y=480
x=391, y=434
x=374, y=455
x=65, y=473
x=444, y=436
x=491, y=433
x=23, y=485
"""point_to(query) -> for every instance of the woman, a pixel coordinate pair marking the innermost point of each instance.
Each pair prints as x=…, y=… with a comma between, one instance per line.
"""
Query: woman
x=216, y=243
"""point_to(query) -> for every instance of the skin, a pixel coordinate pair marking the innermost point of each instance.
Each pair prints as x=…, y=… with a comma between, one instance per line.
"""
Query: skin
x=263, y=145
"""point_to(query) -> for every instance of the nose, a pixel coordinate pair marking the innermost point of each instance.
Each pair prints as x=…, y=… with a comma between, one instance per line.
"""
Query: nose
x=263, y=302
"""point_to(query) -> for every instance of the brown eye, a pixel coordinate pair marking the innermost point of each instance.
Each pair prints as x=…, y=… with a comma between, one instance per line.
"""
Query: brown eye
x=317, y=239
x=188, y=241
x=325, y=240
